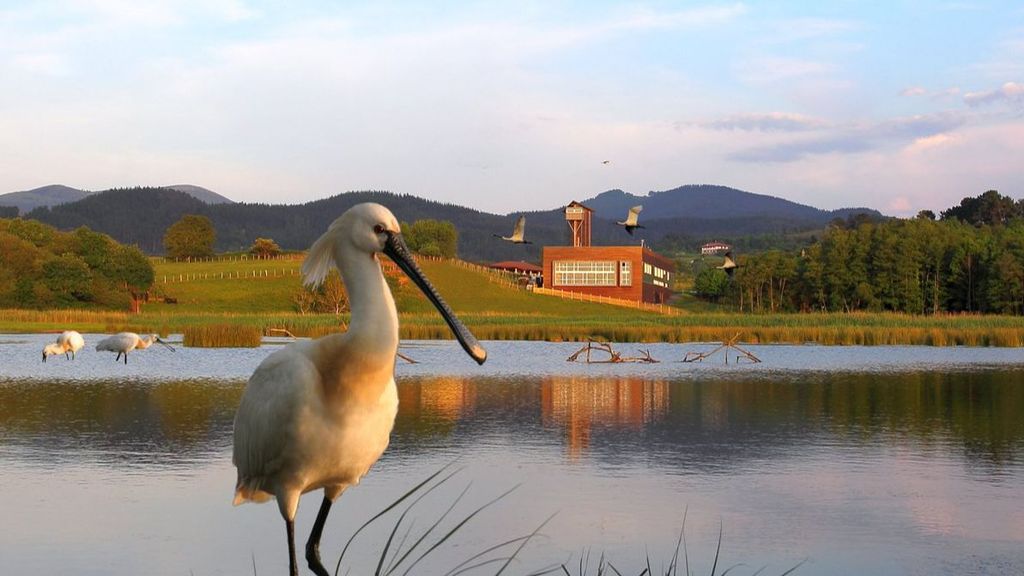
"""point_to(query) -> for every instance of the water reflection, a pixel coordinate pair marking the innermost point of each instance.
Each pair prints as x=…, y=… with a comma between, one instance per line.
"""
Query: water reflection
x=875, y=473
x=685, y=424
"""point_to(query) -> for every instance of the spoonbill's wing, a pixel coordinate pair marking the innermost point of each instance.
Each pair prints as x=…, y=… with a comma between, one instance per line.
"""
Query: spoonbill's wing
x=520, y=228
x=634, y=213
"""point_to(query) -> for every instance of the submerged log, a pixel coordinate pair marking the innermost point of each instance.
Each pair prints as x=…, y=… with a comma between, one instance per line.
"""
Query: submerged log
x=728, y=345
x=613, y=356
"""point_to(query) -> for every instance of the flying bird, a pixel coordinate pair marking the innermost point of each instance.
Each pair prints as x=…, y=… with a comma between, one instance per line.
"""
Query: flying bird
x=517, y=233
x=630, y=223
x=126, y=342
x=729, y=265
x=318, y=414
x=68, y=341
x=606, y=162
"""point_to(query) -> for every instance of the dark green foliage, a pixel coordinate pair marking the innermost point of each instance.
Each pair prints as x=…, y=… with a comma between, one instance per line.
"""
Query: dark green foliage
x=68, y=277
x=711, y=283
x=41, y=267
x=433, y=238
x=990, y=208
x=191, y=237
x=140, y=216
x=915, y=266
x=8, y=211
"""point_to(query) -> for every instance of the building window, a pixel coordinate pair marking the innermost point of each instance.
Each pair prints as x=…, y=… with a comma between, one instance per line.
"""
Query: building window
x=656, y=275
x=583, y=273
x=625, y=273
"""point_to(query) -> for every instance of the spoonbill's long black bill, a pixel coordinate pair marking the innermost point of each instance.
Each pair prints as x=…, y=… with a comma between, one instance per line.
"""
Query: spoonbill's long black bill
x=396, y=249
x=166, y=345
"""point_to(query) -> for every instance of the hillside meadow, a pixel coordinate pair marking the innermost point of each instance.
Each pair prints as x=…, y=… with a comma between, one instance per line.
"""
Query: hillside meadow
x=234, y=301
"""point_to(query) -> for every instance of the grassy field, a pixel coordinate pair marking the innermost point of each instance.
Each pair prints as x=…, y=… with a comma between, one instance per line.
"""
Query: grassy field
x=257, y=296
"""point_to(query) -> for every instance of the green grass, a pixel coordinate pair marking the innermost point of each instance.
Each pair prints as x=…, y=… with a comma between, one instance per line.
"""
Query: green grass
x=494, y=310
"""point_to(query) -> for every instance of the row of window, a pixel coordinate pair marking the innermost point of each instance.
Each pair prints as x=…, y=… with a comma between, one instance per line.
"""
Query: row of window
x=592, y=273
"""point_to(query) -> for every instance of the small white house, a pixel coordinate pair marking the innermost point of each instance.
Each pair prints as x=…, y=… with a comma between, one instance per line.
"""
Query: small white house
x=714, y=248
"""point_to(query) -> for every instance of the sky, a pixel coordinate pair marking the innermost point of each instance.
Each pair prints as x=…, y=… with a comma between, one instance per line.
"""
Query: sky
x=504, y=106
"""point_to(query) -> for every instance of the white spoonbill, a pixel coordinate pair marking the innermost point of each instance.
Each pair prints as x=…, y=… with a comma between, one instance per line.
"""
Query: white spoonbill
x=71, y=341
x=126, y=341
x=68, y=341
x=52, y=349
x=517, y=233
x=318, y=413
x=631, y=220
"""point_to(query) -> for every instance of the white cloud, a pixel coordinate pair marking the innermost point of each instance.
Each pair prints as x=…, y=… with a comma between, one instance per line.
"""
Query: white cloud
x=767, y=122
x=929, y=142
x=772, y=69
x=851, y=139
x=913, y=91
x=1010, y=92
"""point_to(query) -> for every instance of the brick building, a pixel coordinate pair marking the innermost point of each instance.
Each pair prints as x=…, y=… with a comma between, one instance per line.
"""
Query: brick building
x=626, y=272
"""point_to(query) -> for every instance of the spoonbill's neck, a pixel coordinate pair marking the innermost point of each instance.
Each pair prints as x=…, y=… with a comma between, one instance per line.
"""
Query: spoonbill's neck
x=374, y=317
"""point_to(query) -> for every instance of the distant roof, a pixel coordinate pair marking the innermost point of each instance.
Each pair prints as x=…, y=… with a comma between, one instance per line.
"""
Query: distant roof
x=513, y=265
x=580, y=204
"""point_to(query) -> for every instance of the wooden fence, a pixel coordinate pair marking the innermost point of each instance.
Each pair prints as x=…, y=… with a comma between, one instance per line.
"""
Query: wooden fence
x=234, y=258
x=230, y=275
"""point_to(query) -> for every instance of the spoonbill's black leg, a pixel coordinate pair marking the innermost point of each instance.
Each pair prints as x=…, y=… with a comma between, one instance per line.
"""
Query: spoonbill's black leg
x=313, y=544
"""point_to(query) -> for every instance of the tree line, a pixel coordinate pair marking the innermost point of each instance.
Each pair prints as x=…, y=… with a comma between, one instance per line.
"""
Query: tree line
x=971, y=259
x=42, y=267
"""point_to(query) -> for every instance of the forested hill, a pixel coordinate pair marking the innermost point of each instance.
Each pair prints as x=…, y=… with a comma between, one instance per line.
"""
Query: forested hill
x=56, y=194
x=705, y=201
x=141, y=215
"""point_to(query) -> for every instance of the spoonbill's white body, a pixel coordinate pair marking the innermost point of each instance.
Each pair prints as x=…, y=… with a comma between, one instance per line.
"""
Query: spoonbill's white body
x=127, y=341
x=518, y=233
x=68, y=341
x=319, y=413
x=71, y=341
x=631, y=220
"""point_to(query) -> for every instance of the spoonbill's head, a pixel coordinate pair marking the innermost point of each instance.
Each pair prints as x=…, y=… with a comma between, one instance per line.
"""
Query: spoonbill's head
x=51, y=350
x=372, y=229
x=150, y=339
x=156, y=338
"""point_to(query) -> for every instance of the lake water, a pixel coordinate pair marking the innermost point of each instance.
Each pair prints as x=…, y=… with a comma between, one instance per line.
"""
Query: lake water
x=882, y=460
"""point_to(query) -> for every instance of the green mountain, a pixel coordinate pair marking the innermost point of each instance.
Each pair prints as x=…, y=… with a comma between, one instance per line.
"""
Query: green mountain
x=56, y=194
x=141, y=215
x=28, y=200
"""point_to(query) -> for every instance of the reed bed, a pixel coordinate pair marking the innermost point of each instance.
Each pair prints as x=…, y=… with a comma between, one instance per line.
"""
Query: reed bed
x=826, y=329
x=222, y=336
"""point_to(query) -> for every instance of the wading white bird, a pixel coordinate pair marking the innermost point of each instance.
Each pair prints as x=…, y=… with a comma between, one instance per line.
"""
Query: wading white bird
x=68, y=341
x=127, y=341
x=318, y=413
x=631, y=219
x=517, y=233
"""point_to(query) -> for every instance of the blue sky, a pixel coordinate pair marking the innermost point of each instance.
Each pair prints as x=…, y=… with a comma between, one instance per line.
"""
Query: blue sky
x=509, y=106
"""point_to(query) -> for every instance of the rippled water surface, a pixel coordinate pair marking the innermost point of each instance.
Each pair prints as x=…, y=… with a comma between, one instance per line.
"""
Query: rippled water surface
x=887, y=460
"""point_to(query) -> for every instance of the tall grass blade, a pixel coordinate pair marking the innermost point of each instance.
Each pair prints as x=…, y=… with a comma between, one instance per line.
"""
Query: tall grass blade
x=524, y=542
x=457, y=527
x=718, y=549
x=457, y=569
x=432, y=527
x=793, y=569
x=390, y=507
